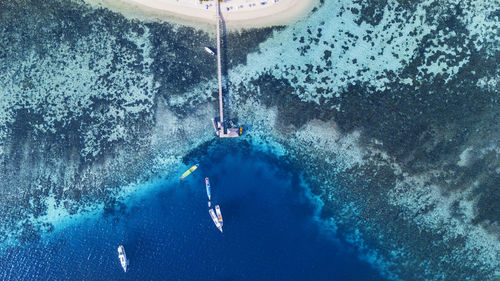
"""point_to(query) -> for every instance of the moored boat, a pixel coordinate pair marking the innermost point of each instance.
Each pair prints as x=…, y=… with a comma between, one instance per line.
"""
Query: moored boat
x=188, y=172
x=207, y=185
x=219, y=215
x=214, y=218
x=208, y=50
x=123, y=257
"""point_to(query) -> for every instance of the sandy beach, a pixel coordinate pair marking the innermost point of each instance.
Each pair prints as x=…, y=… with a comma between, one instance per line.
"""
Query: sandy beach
x=238, y=14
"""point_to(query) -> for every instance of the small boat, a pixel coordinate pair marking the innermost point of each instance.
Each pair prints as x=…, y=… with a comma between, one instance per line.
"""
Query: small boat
x=207, y=185
x=210, y=51
x=123, y=257
x=219, y=214
x=214, y=218
x=241, y=130
x=216, y=128
x=188, y=172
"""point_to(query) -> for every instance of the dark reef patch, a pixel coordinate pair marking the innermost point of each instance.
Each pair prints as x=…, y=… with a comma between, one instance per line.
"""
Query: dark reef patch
x=276, y=93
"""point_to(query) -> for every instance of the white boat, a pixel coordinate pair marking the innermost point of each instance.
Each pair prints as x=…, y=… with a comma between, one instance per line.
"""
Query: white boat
x=210, y=51
x=123, y=257
x=207, y=185
x=214, y=218
x=219, y=215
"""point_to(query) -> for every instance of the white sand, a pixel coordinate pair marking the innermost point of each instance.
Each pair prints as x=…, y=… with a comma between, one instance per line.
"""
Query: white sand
x=237, y=14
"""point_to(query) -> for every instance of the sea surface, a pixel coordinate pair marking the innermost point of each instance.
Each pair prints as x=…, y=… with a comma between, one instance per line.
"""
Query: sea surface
x=371, y=144
x=269, y=232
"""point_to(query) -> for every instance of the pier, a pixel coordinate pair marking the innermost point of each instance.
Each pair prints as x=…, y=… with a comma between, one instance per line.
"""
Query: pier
x=220, y=127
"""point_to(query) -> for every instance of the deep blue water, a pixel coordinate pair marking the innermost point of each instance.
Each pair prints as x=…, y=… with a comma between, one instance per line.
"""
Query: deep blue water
x=269, y=233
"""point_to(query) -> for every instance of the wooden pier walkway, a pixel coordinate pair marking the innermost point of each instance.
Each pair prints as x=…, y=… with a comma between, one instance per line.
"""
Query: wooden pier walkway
x=220, y=126
x=219, y=63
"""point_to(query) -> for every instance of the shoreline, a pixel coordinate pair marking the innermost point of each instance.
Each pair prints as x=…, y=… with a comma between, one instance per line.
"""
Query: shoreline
x=237, y=14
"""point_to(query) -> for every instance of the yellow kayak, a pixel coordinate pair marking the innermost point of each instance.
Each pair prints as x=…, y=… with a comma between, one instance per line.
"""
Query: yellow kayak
x=188, y=172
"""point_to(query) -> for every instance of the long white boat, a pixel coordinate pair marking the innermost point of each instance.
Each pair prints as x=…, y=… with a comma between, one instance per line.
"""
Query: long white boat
x=219, y=215
x=123, y=257
x=214, y=218
x=207, y=185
